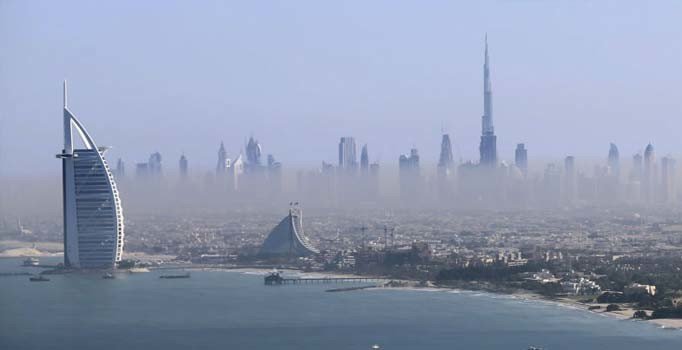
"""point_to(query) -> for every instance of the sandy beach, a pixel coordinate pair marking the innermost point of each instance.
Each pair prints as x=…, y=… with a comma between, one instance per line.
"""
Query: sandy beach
x=20, y=249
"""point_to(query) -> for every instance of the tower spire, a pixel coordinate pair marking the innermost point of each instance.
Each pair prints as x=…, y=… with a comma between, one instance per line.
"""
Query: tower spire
x=486, y=49
x=65, y=95
x=488, y=146
x=487, y=94
x=68, y=138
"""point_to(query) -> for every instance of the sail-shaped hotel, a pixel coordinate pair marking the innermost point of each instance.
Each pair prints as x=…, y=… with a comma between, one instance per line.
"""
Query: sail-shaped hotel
x=93, y=218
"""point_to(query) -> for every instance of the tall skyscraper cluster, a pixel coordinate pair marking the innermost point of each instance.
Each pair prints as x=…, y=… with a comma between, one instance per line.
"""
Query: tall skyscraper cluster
x=488, y=183
x=248, y=174
x=231, y=174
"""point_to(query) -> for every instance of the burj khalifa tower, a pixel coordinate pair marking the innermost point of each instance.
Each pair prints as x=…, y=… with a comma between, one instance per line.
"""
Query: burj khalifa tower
x=488, y=146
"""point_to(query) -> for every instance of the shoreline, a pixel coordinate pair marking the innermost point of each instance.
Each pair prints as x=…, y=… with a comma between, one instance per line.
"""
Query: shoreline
x=625, y=313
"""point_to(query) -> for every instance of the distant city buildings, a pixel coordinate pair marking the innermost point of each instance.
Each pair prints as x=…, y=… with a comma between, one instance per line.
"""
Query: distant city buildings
x=445, y=170
x=274, y=174
x=253, y=154
x=347, y=155
x=668, y=188
x=151, y=169
x=521, y=158
x=408, y=166
x=155, y=164
x=614, y=161
x=141, y=170
x=364, y=160
x=551, y=191
x=649, y=173
x=223, y=163
x=489, y=183
x=235, y=171
x=570, y=180
x=183, y=167
x=120, y=169
x=446, y=162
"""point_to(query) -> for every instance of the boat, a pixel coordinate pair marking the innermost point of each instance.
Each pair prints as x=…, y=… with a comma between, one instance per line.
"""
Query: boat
x=31, y=262
x=108, y=276
x=184, y=275
x=38, y=278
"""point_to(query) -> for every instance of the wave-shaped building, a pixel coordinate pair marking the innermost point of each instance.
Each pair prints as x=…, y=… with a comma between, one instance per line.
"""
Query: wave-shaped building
x=93, y=218
x=287, y=238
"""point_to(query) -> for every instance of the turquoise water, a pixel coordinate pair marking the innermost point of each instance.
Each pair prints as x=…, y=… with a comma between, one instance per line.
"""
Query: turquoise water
x=233, y=310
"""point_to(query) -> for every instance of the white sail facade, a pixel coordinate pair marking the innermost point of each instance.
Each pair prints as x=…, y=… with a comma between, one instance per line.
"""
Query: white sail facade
x=93, y=217
x=287, y=238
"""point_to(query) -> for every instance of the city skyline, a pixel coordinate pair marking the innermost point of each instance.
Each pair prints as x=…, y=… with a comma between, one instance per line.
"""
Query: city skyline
x=518, y=156
x=584, y=81
x=348, y=160
x=486, y=183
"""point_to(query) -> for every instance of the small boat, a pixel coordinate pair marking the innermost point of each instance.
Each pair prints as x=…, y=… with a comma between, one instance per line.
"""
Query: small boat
x=108, y=276
x=534, y=348
x=184, y=275
x=38, y=278
x=31, y=262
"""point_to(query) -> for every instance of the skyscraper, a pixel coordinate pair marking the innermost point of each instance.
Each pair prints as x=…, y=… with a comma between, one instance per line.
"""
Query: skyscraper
x=222, y=165
x=409, y=174
x=364, y=160
x=347, y=154
x=120, y=169
x=635, y=184
x=521, y=158
x=236, y=169
x=552, y=185
x=614, y=161
x=183, y=166
x=253, y=153
x=668, y=188
x=274, y=174
x=142, y=170
x=570, y=180
x=636, y=174
x=155, y=164
x=446, y=162
x=488, y=146
x=93, y=217
x=445, y=170
x=649, y=175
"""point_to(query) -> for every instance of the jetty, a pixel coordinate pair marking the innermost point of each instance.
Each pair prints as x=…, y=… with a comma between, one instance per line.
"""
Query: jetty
x=276, y=279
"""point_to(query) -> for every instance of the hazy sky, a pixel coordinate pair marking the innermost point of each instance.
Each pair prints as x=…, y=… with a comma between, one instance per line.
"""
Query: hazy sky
x=568, y=77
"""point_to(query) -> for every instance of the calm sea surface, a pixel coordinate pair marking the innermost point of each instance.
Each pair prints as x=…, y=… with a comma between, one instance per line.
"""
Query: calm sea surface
x=234, y=310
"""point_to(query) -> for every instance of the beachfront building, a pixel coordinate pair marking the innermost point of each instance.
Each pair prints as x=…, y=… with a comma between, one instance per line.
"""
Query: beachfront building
x=93, y=218
x=287, y=238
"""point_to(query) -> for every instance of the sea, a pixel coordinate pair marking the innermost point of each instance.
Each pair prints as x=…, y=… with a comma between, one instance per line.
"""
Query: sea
x=222, y=309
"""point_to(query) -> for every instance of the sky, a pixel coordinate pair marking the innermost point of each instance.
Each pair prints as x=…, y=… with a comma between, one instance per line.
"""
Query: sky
x=568, y=77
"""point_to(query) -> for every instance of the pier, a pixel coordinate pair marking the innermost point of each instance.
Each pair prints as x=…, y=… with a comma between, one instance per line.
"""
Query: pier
x=277, y=279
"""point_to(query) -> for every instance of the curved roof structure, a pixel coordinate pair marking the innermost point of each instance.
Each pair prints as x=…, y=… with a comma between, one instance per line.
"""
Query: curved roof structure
x=93, y=217
x=287, y=238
